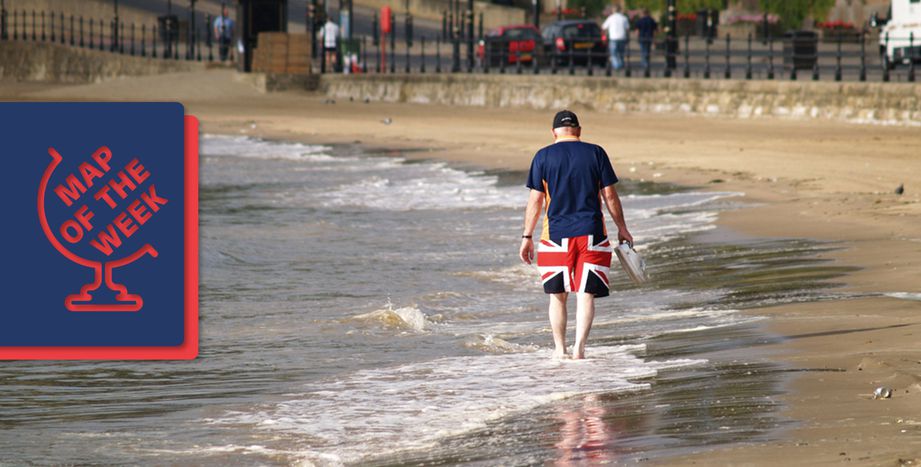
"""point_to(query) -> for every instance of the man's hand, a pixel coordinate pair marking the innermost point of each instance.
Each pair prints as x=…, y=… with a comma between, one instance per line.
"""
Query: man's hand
x=623, y=235
x=526, y=252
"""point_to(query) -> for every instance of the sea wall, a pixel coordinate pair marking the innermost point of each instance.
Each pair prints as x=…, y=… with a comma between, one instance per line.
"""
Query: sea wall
x=37, y=61
x=879, y=103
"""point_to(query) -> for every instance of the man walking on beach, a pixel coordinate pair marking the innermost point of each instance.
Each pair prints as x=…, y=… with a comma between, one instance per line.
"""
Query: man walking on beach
x=570, y=178
x=618, y=28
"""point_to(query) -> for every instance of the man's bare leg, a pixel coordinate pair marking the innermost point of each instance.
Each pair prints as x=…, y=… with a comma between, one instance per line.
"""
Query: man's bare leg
x=558, y=323
x=585, y=314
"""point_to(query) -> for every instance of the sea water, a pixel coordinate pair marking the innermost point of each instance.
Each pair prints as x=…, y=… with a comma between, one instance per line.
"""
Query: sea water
x=360, y=307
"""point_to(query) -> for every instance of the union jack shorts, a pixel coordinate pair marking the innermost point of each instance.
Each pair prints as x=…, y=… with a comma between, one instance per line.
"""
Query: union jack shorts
x=577, y=264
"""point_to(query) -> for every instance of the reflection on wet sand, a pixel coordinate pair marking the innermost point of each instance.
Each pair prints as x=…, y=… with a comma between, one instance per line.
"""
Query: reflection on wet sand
x=585, y=437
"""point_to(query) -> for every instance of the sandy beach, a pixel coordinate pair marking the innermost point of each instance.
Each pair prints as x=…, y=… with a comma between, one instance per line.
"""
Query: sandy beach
x=831, y=182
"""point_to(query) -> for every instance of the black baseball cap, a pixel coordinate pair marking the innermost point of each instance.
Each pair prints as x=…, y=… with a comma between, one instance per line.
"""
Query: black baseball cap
x=565, y=118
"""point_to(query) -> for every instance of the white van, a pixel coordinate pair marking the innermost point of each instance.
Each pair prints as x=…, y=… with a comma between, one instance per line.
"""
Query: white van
x=895, y=36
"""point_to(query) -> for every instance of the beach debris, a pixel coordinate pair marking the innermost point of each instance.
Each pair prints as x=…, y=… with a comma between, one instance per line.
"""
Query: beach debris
x=900, y=189
x=882, y=392
x=329, y=101
x=367, y=100
x=387, y=121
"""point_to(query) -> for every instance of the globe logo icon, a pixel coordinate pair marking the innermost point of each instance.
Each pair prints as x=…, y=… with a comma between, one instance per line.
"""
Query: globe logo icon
x=94, y=217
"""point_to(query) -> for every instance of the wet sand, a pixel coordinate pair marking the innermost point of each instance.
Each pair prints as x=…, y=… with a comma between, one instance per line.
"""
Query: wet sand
x=805, y=179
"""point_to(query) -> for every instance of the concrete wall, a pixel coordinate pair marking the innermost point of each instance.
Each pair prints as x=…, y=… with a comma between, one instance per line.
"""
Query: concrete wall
x=884, y=103
x=36, y=61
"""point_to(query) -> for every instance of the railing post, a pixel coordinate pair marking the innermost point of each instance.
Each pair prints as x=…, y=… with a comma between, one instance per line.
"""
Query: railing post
x=51, y=27
x=33, y=25
x=15, y=31
x=837, y=60
x=61, y=17
x=885, y=59
x=554, y=62
x=535, y=61
x=728, y=73
x=770, y=74
x=503, y=56
x=647, y=71
x=590, y=65
x=153, y=42
x=628, y=70
x=393, y=43
x=687, y=55
x=43, y=25
x=911, y=58
x=364, y=55
x=422, y=54
x=102, y=32
x=72, y=41
x=132, y=39
x=91, y=44
x=670, y=43
x=748, y=59
x=572, y=59
x=863, y=57
x=438, y=56
x=815, y=71
x=707, y=59
x=209, y=36
x=144, y=40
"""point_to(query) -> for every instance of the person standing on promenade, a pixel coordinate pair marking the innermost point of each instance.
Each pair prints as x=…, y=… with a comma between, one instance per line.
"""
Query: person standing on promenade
x=570, y=178
x=223, y=31
x=330, y=36
x=618, y=28
x=646, y=31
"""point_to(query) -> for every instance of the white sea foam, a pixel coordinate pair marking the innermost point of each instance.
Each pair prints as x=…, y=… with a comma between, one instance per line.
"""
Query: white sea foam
x=249, y=147
x=408, y=318
x=905, y=295
x=380, y=411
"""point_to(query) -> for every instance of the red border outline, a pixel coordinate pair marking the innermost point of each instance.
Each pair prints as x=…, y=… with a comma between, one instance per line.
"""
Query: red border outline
x=188, y=350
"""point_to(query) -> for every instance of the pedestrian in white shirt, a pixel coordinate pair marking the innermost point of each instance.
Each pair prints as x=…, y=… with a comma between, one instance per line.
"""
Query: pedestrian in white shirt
x=330, y=36
x=618, y=28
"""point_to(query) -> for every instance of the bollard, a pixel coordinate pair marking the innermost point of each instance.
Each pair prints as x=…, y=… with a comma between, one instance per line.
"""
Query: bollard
x=687, y=56
x=837, y=60
x=748, y=63
x=728, y=73
x=770, y=57
x=863, y=57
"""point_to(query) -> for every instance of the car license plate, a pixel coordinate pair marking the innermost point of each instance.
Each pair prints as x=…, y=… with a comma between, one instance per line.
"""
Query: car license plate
x=525, y=56
x=582, y=45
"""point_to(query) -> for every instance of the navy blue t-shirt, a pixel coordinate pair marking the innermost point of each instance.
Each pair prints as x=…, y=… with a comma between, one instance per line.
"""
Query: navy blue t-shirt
x=571, y=175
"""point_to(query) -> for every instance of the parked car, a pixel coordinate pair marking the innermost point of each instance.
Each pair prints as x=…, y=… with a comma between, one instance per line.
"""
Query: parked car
x=576, y=37
x=509, y=43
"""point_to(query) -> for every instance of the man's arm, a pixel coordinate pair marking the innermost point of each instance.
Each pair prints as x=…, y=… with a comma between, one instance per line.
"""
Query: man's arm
x=531, y=215
x=612, y=201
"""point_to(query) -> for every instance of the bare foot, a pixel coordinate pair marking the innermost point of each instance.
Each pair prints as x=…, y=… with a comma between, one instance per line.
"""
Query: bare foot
x=559, y=354
x=578, y=352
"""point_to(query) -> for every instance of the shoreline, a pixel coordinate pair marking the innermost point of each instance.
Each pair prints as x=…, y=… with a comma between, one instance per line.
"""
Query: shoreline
x=818, y=180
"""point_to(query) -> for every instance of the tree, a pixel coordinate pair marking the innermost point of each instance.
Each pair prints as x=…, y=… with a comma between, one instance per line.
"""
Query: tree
x=684, y=6
x=593, y=8
x=793, y=12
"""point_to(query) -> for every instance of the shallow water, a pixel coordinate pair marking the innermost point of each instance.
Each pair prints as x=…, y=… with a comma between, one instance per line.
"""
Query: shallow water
x=364, y=308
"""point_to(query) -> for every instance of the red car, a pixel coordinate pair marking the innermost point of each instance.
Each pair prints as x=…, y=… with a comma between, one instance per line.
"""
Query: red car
x=509, y=43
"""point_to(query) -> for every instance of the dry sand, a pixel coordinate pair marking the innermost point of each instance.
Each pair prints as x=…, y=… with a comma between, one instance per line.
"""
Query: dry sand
x=813, y=179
